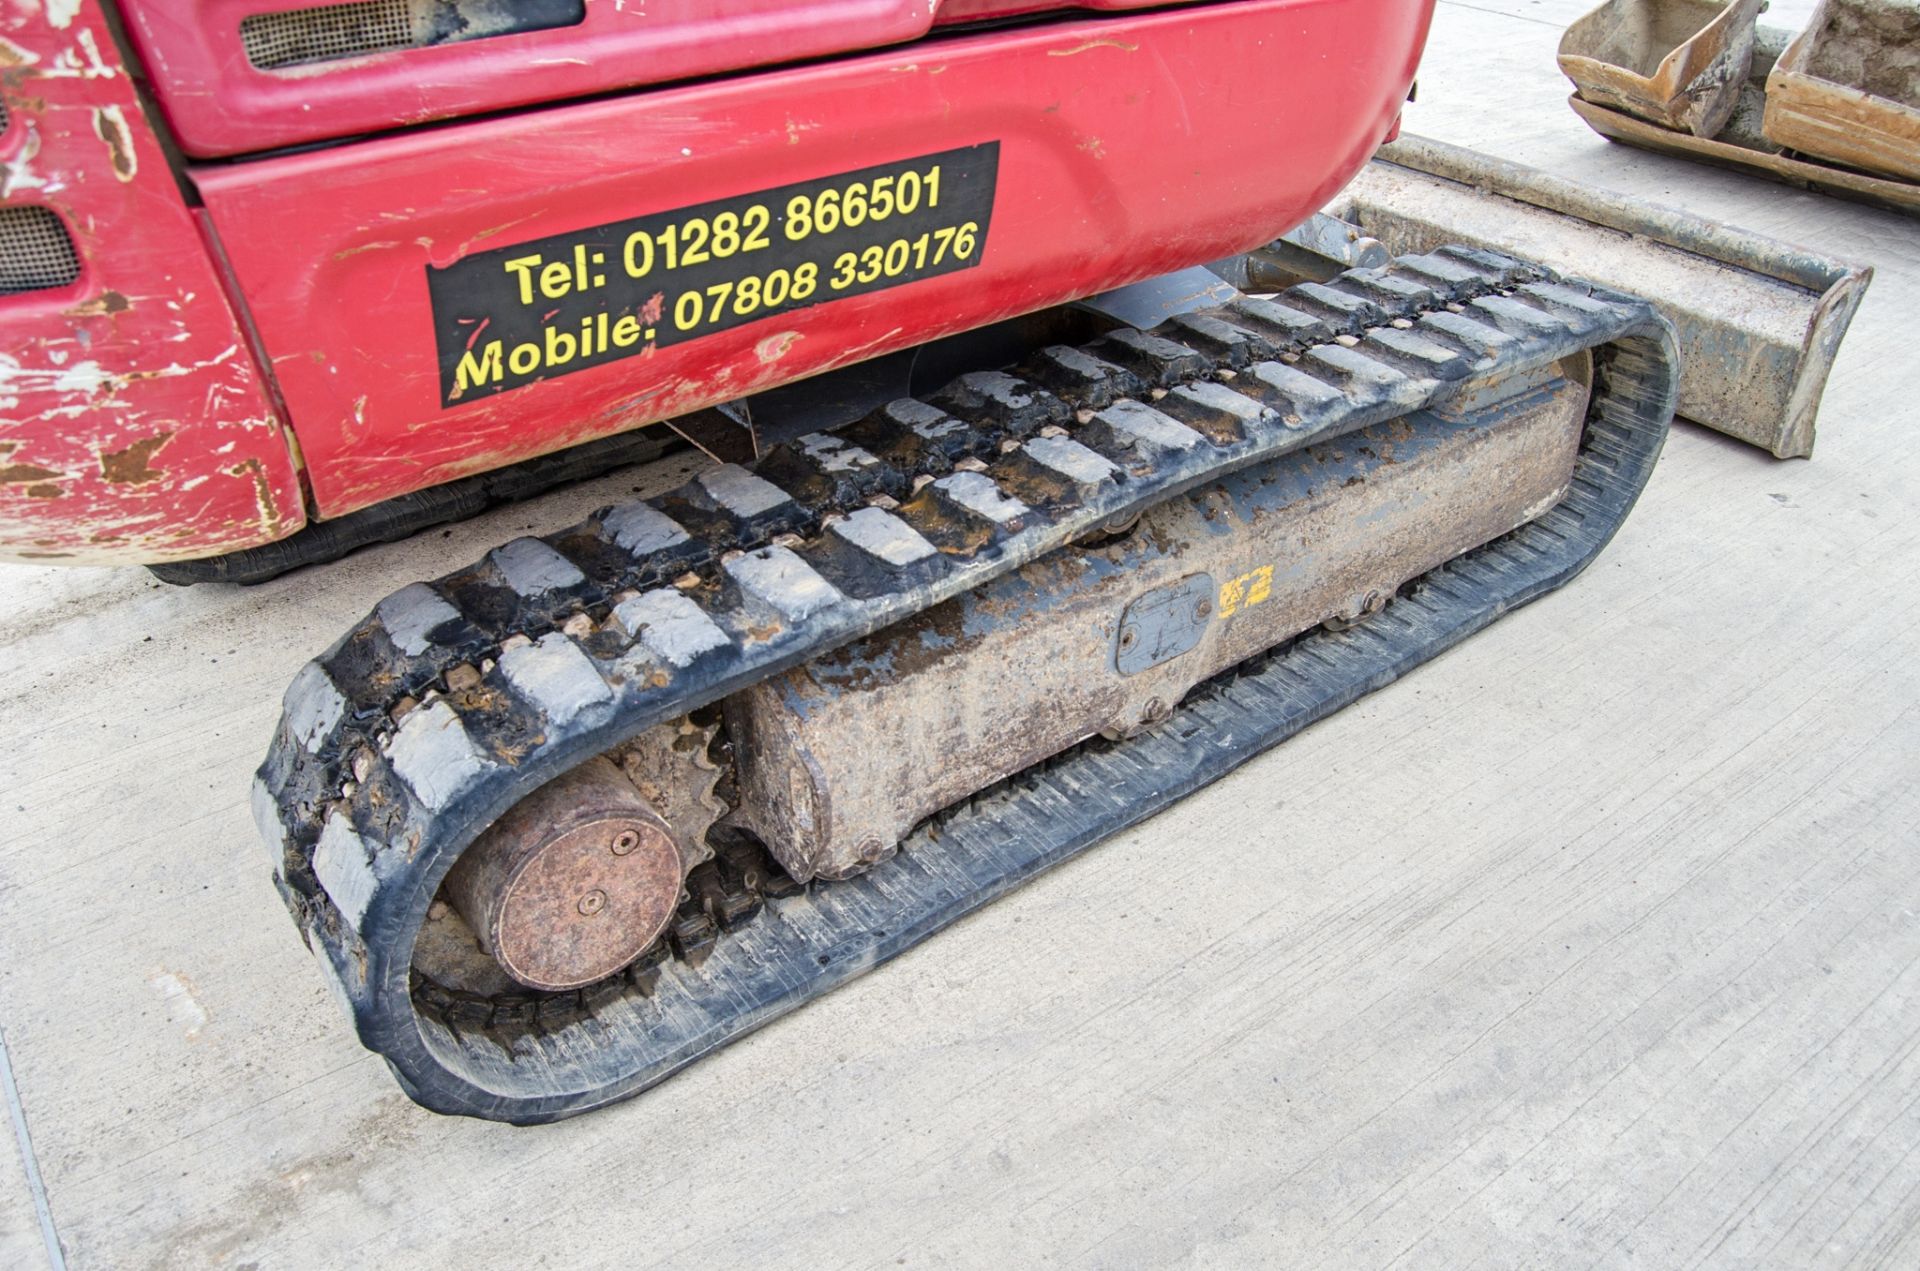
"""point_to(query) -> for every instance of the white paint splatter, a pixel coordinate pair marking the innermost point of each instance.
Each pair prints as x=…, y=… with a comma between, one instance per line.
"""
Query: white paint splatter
x=182, y=1002
x=67, y=64
x=19, y=174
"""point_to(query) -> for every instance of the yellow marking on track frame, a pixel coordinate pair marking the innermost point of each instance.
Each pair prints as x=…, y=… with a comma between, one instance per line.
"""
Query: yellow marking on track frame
x=1246, y=591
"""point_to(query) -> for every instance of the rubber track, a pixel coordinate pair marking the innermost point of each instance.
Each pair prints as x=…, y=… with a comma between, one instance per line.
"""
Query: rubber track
x=647, y=610
x=408, y=514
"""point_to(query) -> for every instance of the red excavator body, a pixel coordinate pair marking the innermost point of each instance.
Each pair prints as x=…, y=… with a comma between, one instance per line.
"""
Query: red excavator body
x=265, y=268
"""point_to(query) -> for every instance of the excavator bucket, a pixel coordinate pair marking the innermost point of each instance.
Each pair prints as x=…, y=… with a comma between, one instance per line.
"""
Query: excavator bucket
x=1759, y=320
x=1848, y=88
x=1834, y=108
x=1679, y=63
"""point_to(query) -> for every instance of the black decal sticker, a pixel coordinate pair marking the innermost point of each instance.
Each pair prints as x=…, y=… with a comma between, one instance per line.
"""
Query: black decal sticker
x=514, y=315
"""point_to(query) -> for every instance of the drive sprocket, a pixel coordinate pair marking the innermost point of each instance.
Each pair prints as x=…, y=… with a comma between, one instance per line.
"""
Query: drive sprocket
x=673, y=769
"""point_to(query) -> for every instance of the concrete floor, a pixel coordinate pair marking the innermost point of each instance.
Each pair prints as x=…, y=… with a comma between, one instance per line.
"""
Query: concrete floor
x=1593, y=942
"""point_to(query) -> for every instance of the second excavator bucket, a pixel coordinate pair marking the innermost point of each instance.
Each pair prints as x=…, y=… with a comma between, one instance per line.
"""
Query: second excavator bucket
x=1759, y=320
x=1848, y=88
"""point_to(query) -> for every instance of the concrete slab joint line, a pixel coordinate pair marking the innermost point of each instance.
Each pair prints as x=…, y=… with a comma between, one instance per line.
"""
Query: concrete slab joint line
x=23, y=1140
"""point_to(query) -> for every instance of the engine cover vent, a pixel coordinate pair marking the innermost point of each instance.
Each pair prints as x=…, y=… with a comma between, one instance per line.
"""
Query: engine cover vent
x=36, y=252
x=330, y=33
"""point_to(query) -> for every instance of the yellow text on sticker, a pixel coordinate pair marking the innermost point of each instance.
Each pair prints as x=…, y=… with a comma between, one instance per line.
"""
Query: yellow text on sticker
x=1246, y=591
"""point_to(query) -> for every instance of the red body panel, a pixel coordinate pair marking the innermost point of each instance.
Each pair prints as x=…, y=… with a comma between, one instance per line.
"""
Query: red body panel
x=134, y=422
x=1129, y=146
x=220, y=104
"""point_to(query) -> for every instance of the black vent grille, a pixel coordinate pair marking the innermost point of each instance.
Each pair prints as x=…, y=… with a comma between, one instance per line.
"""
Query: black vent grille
x=329, y=33
x=300, y=36
x=36, y=252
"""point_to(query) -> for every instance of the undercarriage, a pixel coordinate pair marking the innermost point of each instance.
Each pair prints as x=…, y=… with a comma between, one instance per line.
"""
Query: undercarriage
x=559, y=823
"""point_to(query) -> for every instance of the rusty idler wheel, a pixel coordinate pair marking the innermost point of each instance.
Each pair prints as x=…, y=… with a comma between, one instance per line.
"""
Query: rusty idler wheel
x=573, y=883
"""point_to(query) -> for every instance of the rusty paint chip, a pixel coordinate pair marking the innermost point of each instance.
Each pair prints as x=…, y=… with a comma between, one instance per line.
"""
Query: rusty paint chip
x=129, y=466
x=110, y=125
x=105, y=304
x=21, y=473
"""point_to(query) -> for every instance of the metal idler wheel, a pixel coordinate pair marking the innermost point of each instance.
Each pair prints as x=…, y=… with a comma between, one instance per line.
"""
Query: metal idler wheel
x=573, y=883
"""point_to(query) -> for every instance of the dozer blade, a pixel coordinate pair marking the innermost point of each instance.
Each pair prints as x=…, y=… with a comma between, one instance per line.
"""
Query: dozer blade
x=1759, y=321
x=1452, y=435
